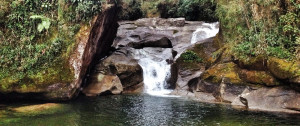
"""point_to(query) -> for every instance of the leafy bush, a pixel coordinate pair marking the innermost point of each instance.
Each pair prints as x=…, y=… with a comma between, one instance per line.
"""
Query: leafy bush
x=4, y=9
x=257, y=28
x=45, y=24
x=190, y=9
x=191, y=56
x=131, y=10
x=83, y=10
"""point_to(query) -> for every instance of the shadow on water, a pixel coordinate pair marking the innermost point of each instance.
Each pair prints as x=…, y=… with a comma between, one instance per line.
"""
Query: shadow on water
x=145, y=110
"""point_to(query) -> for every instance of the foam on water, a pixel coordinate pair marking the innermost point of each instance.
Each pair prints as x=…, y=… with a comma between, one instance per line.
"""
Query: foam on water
x=206, y=30
x=155, y=74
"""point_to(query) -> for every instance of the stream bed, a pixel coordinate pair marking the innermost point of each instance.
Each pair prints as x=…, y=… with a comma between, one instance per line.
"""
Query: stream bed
x=143, y=110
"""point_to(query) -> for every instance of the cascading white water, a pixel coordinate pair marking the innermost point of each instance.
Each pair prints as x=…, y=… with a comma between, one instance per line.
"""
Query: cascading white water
x=207, y=30
x=155, y=75
x=156, y=71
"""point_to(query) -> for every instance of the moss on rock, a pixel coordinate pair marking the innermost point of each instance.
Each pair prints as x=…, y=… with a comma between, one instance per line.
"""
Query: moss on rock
x=253, y=63
x=258, y=77
x=284, y=69
x=216, y=73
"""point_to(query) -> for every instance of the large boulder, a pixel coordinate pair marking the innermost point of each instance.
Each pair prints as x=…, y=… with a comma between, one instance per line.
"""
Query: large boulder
x=103, y=84
x=162, y=42
x=270, y=99
x=258, y=63
x=216, y=73
x=283, y=69
x=189, y=70
x=159, y=32
x=258, y=77
x=63, y=80
x=120, y=70
x=125, y=66
x=288, y=71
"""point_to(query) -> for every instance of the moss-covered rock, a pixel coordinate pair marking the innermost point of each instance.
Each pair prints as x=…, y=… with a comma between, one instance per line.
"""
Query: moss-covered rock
x=52, y=64
x=283, y=69
x=253, y=63
x=204, y=52
x=228, y=71
x=258, y=77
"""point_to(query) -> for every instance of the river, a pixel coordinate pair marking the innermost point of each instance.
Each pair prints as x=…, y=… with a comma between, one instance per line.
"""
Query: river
x=146, y=110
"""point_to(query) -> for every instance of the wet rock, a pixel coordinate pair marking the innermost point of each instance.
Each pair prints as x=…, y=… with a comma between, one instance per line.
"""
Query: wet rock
x=199, y=96
x=103, y=84
x=174, y=76
x=223, y=92
x=187, y=78
x=123, y=64
x=258, y=77
x=228, y=92
x=135, y=89
x=32, y=110
x=279, y=99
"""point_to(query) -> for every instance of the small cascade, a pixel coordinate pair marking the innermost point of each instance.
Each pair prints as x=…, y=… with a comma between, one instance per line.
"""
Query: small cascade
x=156, y=71
x=207, y=30
x=155, y=75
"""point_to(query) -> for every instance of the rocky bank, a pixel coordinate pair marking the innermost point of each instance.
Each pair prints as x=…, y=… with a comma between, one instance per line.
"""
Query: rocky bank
x=258, y=84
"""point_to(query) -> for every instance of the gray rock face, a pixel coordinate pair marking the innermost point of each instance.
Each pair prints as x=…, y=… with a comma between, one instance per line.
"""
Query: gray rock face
x=279, y=99
x=156, y=32
x=189, y=77
x=103, y=84
x=120, y=64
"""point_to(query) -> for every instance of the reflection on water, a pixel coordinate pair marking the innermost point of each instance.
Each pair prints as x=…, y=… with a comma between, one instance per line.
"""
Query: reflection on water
x=148, y=111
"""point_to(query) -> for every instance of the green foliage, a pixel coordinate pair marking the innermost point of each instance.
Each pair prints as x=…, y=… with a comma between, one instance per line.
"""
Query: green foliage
x=36, y=39
x=261, y=28
x=45, y=24
x=4, y=9
x=191, y=56
x=190, y=9
x=82, y=10
x=131, y=10
x=203, y=10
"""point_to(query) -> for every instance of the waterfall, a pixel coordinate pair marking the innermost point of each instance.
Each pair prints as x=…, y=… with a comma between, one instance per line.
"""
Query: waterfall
x=206, y=30
x=156, y=71
x=155, y=75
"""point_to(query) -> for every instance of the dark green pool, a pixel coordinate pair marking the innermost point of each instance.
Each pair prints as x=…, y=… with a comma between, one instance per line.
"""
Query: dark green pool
x=145, y=110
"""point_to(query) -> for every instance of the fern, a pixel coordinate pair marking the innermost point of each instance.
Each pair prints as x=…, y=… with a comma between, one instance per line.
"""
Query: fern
x=44, y=25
